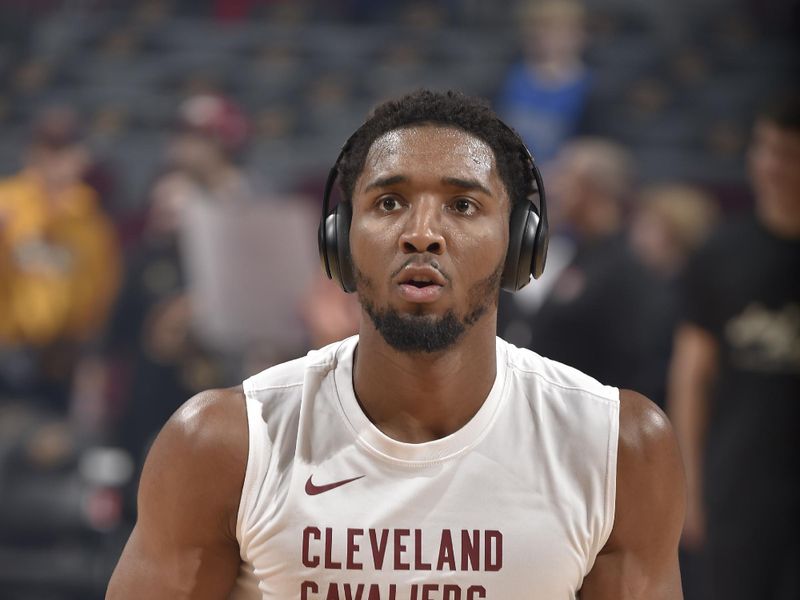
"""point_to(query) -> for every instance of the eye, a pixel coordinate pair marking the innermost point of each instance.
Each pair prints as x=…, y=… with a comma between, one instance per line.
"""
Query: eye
x=388, y=204
x=464, y=206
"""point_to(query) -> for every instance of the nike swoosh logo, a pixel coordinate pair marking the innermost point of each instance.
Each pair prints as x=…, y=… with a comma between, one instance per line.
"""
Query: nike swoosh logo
x=313, y=490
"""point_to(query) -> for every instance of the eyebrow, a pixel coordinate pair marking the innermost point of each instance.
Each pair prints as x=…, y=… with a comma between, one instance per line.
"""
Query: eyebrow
x=465, y=184
x=386, y=181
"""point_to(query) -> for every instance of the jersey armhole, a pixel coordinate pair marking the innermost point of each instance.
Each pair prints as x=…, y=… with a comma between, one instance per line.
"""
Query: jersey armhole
x=255, y=471
x=611, y=475
x=610, y=485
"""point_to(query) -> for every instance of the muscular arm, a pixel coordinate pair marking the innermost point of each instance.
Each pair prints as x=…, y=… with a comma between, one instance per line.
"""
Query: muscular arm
x=184, y=543
x=640, y=559
x=692, y=372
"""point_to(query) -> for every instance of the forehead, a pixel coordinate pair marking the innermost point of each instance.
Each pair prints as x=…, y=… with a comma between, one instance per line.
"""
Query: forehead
x=431, y=148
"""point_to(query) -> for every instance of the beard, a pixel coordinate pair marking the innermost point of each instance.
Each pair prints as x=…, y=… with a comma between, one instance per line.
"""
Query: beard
x=421, y=333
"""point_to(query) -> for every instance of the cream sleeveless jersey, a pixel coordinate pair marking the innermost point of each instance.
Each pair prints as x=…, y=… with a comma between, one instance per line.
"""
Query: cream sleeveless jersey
x=515, y=504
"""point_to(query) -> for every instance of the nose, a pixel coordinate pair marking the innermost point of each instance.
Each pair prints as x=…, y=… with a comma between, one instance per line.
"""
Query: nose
x=423, y=231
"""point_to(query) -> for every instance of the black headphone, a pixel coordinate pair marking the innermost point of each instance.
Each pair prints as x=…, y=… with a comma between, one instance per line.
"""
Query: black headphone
x=527, y=242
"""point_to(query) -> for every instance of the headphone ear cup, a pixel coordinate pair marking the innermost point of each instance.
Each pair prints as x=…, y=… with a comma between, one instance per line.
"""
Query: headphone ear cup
x=344, y=216
x=334, y=247
x=522, y=245
x=540, y=248
x=322, y=246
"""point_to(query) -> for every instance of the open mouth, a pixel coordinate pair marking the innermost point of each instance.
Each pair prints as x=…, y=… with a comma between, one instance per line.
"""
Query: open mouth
x=419, y=283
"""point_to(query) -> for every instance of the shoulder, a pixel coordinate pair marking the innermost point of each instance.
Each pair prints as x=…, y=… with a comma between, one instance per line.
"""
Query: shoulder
x=528, y=365
x=201, y=453
x=643, y=426
x=292, y=373
x=640, y=556
x=650, y=479
x=184, y=542
x=216, y=416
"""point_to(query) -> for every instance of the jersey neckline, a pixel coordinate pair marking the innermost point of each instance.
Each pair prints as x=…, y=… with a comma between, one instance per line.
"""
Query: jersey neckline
x=376, y=442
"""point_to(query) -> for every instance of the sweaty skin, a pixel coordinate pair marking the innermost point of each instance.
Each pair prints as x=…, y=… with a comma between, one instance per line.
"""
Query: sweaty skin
x=431, y=195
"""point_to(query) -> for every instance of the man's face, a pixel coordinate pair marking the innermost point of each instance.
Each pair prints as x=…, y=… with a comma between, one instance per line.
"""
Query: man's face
x=775, y=170
x=429, y=235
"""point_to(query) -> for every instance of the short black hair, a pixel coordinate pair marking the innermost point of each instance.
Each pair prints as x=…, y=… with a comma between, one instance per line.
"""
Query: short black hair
x=452, y=109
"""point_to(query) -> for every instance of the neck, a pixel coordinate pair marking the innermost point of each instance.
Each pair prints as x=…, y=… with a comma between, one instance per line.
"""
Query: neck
x=418, y=397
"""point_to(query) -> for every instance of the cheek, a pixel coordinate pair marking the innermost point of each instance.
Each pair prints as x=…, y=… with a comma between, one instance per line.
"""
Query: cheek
x=370, y=244
x=480, y=251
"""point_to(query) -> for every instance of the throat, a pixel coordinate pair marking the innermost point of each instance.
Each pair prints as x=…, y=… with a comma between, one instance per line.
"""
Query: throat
x=416, y=400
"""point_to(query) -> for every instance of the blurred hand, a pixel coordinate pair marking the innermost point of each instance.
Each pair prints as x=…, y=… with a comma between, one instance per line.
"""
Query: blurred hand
x=329, y=313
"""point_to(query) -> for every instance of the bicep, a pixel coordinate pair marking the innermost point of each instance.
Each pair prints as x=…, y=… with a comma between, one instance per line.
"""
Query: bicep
x=183, y=544
x=628, y=575
x=154, y=567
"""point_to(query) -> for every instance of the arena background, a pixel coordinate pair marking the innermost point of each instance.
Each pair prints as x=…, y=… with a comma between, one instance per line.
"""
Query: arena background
x=676, y=83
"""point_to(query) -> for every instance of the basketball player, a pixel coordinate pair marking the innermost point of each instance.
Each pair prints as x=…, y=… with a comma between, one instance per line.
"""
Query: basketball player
x=424, y=459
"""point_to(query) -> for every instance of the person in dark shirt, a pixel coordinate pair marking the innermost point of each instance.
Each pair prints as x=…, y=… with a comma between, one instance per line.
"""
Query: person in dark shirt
x=735, y=380
x=603, y=289
x=669, y=222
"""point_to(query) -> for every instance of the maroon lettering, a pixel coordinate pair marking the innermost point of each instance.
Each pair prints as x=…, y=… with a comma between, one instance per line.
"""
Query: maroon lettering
x=306, y=587
x=378, y=547
x=476, y=591
x=308, y=533
x=374, y=592
x=493, y=550
x=414, y=592
x=470, y=550
x=418, y=564
x=352, y=548
x=427, y=589
x=451, y=592
x=329, y=562
x=399, y=548
x=446, y=554
x=392, y=591
x=348, y=591
x=333, y=592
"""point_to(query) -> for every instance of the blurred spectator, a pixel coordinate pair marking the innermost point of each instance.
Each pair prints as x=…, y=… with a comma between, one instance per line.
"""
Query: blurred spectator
x=59, y=264
x=211, y=135
x=151, y=362
x=544, y=94
x=597, y=308
x=735, y=379
x=670, y=221
x=63, y=121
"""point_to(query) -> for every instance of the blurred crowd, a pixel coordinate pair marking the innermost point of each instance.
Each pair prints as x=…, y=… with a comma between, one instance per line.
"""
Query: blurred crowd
x=162, y=173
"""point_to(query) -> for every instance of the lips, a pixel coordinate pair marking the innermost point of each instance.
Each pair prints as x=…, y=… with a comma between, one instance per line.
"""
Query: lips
x=421, y=274
x=420, y=283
